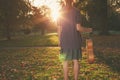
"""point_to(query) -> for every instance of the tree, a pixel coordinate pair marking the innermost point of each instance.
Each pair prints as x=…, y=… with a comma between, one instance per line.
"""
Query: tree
x=114, y=14
x=40, y=18
x=96, y=13
x=102, y=15
x=82, y=6
x=12, y=14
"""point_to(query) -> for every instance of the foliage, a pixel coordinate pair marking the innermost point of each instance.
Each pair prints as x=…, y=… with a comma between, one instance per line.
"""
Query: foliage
x=113, y=21
x=97, y=10
x=114, y=3
x=13, y=13
x=101, y=14
x=114, y=14
x=40, y=18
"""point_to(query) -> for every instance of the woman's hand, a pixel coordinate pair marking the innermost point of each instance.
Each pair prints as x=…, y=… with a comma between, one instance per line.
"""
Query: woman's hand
x=83, y=29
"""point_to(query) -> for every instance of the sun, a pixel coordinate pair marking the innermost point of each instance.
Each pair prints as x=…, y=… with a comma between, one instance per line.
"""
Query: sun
x=54, y=6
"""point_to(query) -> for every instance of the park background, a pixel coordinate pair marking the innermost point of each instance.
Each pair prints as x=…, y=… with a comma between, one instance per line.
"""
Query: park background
x=29, y=42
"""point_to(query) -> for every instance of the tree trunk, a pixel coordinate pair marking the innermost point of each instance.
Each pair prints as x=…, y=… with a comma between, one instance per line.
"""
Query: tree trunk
x=42, y=31
x=8, y=35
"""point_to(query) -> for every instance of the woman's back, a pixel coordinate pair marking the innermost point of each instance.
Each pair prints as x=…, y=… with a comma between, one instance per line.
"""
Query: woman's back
x=70, y=38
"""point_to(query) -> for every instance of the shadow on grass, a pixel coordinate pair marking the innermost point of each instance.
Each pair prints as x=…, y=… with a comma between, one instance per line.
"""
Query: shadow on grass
x=111, y=58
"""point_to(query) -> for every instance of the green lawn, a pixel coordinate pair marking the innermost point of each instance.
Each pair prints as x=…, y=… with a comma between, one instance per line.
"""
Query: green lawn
x=31, y=40
x=43, y=63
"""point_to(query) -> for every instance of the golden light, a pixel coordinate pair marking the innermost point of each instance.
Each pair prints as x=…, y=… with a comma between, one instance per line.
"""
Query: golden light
x=52, y=4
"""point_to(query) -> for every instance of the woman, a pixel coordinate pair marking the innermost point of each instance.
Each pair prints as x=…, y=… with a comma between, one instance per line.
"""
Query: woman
x=69, y=28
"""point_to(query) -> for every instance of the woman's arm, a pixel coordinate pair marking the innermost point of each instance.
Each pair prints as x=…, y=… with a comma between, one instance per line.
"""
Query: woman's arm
x=83, y=29
x=59, y=33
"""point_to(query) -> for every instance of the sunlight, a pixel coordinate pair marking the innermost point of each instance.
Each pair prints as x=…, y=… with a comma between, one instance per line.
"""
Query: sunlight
x=54, y=5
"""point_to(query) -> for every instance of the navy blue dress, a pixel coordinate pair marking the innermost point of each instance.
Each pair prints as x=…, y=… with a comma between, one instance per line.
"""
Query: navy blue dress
x=70, y=38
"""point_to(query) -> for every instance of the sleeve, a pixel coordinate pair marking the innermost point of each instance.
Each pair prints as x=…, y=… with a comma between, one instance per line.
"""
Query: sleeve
x=78, y=17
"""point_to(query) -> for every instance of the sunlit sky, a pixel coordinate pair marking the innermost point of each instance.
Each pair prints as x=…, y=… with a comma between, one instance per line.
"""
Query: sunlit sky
x=52, y=4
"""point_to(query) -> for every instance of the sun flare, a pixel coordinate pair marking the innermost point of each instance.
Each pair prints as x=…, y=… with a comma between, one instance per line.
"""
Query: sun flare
x=54, y=6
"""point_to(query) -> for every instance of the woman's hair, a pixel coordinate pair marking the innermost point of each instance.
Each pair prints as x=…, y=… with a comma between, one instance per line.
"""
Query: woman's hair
x=68, y=2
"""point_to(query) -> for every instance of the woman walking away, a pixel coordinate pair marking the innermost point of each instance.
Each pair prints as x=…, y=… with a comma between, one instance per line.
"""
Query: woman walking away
x=69, y=29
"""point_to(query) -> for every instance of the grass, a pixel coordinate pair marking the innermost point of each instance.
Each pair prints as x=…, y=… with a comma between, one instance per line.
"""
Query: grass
x=31, y=40
x=43, y=63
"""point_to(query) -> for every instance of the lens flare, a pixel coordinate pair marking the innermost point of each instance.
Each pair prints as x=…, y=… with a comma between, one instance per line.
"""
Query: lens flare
x=62, y=57
x=54, y=6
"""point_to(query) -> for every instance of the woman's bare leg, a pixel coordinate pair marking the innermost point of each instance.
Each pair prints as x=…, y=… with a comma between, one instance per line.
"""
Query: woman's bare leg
x=76, y=69
x=65, y=69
